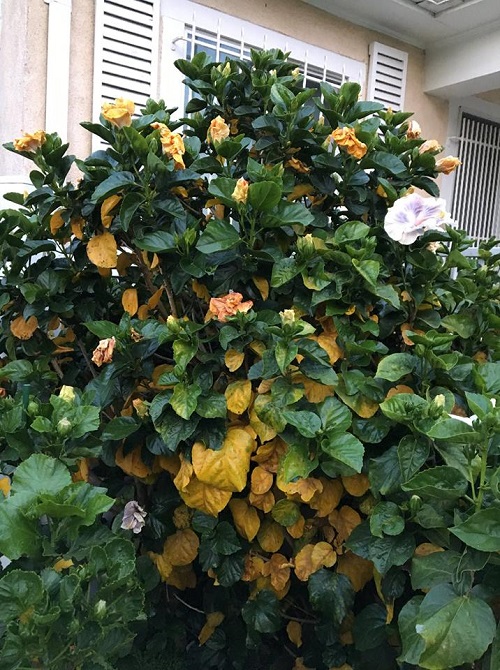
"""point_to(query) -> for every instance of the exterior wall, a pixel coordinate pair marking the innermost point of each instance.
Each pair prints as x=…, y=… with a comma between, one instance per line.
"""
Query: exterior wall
x=307, y=23
x=23, y=49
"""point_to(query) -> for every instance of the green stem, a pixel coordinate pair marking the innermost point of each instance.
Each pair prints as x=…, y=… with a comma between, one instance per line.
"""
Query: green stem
x=482, y=478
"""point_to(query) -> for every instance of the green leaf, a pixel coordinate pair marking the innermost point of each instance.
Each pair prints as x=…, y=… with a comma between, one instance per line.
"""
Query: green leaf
x=288, y=214
x=307, y=423
x=284, y=270
x=433, y=569
x=383, y=552
x=212, y=406
x=486, y=376
x=464, y=324
x=481, y=530
x=262, y=613
x=412, y=643
x=350, y=231
x=334, y=415
x=413, y=452
x=495, y=652
x=331, y=594
x=296, y=463
x=344, y=448
x=386, y=519
x=456, y=629
x=137, y=141
x=17, y=371
x=286, y=512
x=453, y=430
x=119, y=428
x=441, y=483
x=40, y=474
x=231, y=569
x=395, y=366
x=386, y=162
x=222, y=188
x=158, y=241
x=18, y=534
x=218, y=235
x=185, y=399
x=369, y=270
x=404, y=407
x=184, y=351
x=103, y=329
x=19, y=591
x=116, y=182
x=264, y=195
x=369, y=628
x=384, y=473
x=285, y=353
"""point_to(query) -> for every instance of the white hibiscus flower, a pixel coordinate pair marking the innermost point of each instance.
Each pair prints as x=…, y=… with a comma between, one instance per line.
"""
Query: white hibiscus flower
x=413, y=215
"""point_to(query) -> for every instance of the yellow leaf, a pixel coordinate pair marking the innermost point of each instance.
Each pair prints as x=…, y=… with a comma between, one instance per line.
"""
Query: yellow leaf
x=261, y=480
x=397, y=390
x=278, y=569
x=233, y=359
x=143, y=312
x=204, y=497
x=23, y=328
x=5, y=485
x=124, y=261
x=328, y=342
x=312, y=557
x=263, y=430
x=327, y=500
x=296, y=530
x=238, y=396
x=184, y=474
x=262, y=285
x=262, y=501
x=132, y=463
x=226, y=468
x=268, y=455
x=363, y=406
x=313, y=391
x=299, y=191
x=182, y=547
x=62, y=564
x=200, y=290
x=130, y=301
x=82, y=474
x=104, y=272
x=155, y=298
x=246, y=519
x=102, y=251
x=356, y=485
x=299, y=665
x=344, y=521
x=214, y=619
x=77, y=226
x=182, y=577
x=357, y=569
x=270, y=536
x=56, y=221
x=426, y=548
x=163, y=565
x=305, y=488
x=253, y=568
x=171, y=464
x=294, y=632
x=106, y=207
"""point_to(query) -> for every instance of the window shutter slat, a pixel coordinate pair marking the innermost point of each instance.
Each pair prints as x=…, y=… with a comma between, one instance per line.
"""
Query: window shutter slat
x=387, y=75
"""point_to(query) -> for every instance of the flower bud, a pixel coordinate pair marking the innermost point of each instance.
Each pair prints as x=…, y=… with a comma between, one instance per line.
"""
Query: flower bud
x=288, y=317
x=305, y=245
x=415, y=504
x=430, y=146
x=67, y=393
x=448, y=164
x=64, y=427
x=100, y=609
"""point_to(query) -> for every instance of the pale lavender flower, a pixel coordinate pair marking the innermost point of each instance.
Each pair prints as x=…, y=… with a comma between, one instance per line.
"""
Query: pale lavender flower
x=133, y=517
x=413, y=215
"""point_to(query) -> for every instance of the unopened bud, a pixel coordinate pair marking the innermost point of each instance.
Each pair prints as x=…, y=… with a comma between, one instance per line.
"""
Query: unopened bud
x=67, y=393
x=64, y=427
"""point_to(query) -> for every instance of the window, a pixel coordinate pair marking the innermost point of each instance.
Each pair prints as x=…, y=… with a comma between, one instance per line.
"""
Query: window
x=476, y=192
x=387, y=76
x=190, y=28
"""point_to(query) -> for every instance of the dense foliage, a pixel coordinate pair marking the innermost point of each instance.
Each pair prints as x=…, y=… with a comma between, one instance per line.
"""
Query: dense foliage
x=235, y=409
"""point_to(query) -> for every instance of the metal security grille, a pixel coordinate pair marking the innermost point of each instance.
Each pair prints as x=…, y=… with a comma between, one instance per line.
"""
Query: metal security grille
x=126, y=51
x=476, y=196
x=387, y=75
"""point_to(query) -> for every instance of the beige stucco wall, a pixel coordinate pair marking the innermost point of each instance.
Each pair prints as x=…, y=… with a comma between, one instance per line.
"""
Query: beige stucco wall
x=23, y=63
x=304, y=22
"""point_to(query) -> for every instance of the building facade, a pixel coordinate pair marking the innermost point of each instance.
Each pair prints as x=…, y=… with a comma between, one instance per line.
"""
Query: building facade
x=60, y=59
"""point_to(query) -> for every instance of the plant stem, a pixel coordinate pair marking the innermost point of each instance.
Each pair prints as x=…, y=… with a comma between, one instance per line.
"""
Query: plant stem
x=482, y=478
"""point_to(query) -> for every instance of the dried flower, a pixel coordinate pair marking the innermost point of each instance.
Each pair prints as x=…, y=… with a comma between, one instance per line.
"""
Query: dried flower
x=30, y=141
x=240, y=193
x=430, y=146
x=414, y=131
x=346, y=137
x=103, y=353
x=448, y=164
x=119, y=112
x=413, y=215
x=133, y=517
x=228, y=305
x=298, y=166
x=172, y=144
x=218, y=131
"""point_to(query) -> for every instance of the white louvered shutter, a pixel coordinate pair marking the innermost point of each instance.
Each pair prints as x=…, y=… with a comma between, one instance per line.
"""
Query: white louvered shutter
x=476, y=193
x=387, y=76
x=126, y=51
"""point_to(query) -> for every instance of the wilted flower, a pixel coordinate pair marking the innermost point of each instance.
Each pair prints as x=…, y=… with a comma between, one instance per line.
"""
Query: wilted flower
x=133, y=517
x=297, y=165
x=103, y=353
x=413, y=215
x=30, y=141
x=430, y=146
x=119, y=112
x=172, y=144
x=218, y=130
x=414, y=130
x=240, y=193
x=448, y=164
x=346, y=137
x=228, y=305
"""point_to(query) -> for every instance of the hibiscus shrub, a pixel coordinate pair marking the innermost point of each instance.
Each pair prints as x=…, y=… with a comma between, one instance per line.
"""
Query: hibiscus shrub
x=248, y=392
